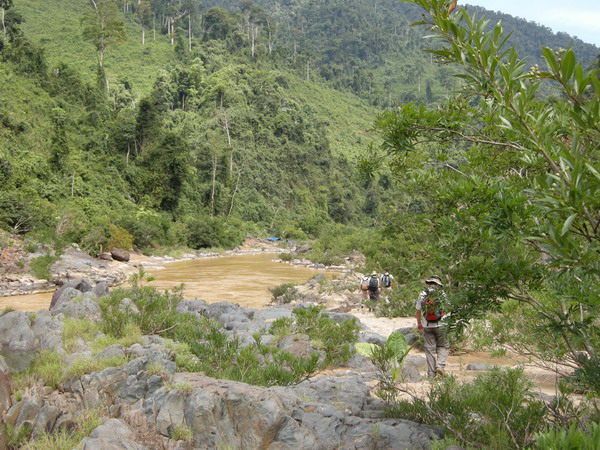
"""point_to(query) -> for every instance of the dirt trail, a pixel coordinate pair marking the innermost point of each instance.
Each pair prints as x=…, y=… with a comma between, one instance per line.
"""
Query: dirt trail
x=544, y=380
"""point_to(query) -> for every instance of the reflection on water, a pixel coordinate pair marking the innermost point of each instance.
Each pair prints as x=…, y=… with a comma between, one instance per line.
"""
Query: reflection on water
x=243, y=279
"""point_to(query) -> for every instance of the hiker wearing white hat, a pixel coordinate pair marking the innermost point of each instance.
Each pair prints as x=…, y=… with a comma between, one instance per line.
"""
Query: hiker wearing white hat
x=374, y=286
x=430, y=309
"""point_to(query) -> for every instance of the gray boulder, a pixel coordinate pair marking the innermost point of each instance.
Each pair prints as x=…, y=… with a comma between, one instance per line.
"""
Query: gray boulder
x=79, y=307
x=371, y=338
x=5, y=391
x=410, y=334
x=481, y=366
x=113, y=434
x=48, y=331
x=76, y=265
x=79, y=285
x=16, y=333
x=101, y=289
x=228, y=312
x=196, y=307
x=120, y=255
x=411, y=374
x=299, y=345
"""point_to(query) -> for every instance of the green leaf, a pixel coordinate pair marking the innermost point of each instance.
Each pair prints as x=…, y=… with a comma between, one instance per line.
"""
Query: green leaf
x=567, y=65
x=397, y=343
x=567, y=224
x=365, y=349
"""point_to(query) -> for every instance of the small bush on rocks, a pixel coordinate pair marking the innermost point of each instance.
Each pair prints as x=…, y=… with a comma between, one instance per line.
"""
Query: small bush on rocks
x=496, y=410
x=285, y=290
x=573, y=438
x=75, y=329
x=47, y=367
x=182, y=433
x=155, y=310
x=131, y=335
x=85, y=365
x=338, y=339
x=16, y=438
x=69, y=439
x=287, y=257
x=6, y=310
x=40, y=266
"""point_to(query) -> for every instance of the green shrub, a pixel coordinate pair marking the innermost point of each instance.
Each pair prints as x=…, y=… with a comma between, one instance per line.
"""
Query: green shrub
x=48, y=367
x=285, y=290
x=336, y=339
x=85, y=365
x=572, y=438
x=495, y=411
x=156, y=310
x=286, y=257
x=119, y=238
x=87, y=421
x=15, y=438
x=74, y=329
x=6, y=310
x=131, y=335
x=182, y=433
x=40, y=266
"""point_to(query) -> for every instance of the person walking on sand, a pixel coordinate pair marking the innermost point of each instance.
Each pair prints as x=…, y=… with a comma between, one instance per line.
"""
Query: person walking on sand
x=374, y=286
x=387, y=280
x=363, y=286
x=430, y=320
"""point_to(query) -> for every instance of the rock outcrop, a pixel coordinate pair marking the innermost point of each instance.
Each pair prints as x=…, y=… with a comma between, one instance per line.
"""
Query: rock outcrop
x=147, y=404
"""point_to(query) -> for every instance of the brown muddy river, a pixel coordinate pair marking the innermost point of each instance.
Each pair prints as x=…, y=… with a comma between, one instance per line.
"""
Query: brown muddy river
x=243, y=279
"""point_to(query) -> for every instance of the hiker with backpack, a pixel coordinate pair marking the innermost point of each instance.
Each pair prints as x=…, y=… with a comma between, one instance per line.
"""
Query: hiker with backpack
x=387, y=280
x=430, y=320
x=364, y=287
x=374, y=286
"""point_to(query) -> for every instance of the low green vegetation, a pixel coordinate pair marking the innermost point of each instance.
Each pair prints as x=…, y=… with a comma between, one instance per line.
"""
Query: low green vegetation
x=201, y=345
x=286, y=291
x=87, y=421
x=40, y=266
x=497, y=410
x=85, y=365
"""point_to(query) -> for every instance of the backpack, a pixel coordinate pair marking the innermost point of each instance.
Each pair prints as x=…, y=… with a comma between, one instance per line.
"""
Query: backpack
x=432, y=311
x=364, y=284
x=385, y=279
x=373, y=284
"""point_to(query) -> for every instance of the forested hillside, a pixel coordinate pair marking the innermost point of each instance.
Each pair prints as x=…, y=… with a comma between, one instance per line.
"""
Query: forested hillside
x=218, y=145
x=180, y=123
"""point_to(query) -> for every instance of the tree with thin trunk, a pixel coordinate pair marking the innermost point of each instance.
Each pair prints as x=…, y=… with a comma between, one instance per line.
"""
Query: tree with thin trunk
x=145, y=15
x=103, y=27
x=4, y=6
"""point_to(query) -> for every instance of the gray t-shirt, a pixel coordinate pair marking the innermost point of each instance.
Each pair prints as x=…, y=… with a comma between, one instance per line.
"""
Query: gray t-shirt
x=419, y=306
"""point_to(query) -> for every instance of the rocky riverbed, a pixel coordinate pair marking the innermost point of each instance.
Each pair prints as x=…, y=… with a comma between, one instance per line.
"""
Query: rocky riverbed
x=142, y=407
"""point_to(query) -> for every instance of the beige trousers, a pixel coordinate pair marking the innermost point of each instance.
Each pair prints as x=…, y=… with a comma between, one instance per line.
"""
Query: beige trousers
x=436, y=349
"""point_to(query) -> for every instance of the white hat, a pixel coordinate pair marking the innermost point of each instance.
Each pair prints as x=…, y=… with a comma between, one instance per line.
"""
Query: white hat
x=434, y=279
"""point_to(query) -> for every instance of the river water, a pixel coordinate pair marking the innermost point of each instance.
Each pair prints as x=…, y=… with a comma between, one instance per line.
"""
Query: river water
x=243, y=279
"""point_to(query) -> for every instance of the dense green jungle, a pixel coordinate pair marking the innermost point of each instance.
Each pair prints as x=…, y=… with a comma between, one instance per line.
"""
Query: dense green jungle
x=465, y=145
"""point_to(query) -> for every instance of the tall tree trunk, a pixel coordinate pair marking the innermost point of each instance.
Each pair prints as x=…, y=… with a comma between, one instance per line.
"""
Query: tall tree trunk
x=143, y=35
x=233, y=194
x=190, y=32
x=214, y=182
x=3, y=24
